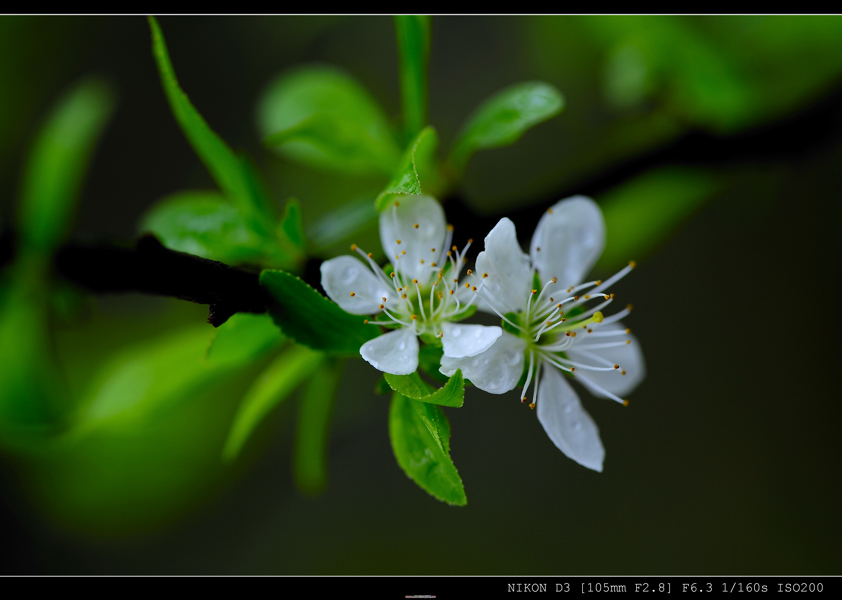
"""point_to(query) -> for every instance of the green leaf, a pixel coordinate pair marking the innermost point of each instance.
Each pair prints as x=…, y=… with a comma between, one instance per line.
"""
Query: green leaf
x=412, y=386
x=205, y=224
x=504, y=117
x=31, y=396
x=322, y=117
x=420, y=436
x=279, y=379
x=309, y=459
x=57, y=163
x=292, y=226
x=234, y=175
x=413, y=33
x=309, y=318
x=418, y=164
x=642, y=214
x=149, y=379
x=242, y=338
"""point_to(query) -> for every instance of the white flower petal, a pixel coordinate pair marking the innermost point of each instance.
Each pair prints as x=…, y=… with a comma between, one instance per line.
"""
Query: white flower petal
x=509, y=278
x=566, y=422
x=568, y=241
x=628, y=356
x=395, y=352
x=496, y=371
x=345, y=275
x=398, y=223
x=460, y=341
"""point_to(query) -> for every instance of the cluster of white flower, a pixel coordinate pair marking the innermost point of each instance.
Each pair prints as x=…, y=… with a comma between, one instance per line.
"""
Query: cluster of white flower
x=551, y=320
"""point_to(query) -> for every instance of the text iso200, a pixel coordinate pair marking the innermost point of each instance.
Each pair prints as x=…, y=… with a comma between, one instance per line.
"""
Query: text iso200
x=800, y=587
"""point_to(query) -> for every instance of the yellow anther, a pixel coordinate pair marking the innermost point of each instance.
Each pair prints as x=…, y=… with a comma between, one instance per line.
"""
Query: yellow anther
x=625, y=402
x=628, y=341
x=453, y=248
x=550, y=210
x=599, y=281
x=433, y=265
x=572, y=368
x=397, y=203
x=606, y=296
x=467, y=286
x=629, y=306
x=470, y=240
x=370, y=255
x=353, y=294
x=532, y=405
x=449, y=253
x=484, y=275
x=353, y=247
x=616, y=366
x=422, y=261
x=382, y=307
x=474, y=288
x=403, y=251
x=416, y=226
x=413, y=317
x=449, y=227
x=628, y=330
x=590, y=330
x=575, y=297
x=383, y=298
x=470, y=272
x=623, y=372
x=398, y=241
x=392, y=274
x=414, y=281
x=573, y=333
x=403, y=295
x=587, y=296
x=451, y=292
x=432, y=249
x=632, y=264
x=534, y=291
x=612, y=296
x=555, y=280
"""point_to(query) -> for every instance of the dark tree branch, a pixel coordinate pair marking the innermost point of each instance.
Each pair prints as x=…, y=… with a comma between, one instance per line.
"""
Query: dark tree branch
x=150, y=268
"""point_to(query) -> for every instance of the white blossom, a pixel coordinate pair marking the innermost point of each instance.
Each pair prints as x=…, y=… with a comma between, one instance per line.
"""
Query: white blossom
x=557, y=328
x=416, y=295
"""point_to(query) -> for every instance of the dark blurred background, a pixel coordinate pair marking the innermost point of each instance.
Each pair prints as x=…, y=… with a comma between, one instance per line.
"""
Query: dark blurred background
x=725, y=460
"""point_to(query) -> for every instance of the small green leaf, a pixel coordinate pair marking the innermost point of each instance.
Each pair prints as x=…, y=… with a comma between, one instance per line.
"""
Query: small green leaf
x=273, y=386
x=309, y=459
x=292, y=226
x=322, y=117
x=234, y=175
x=420, y=436
x=309, y=318
x=412, y=386
x=242, y=338
x=205, y=224
x=504, y=117
x=642, y=214
x=413, y=33
x=418, y=164
x=57, y=163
